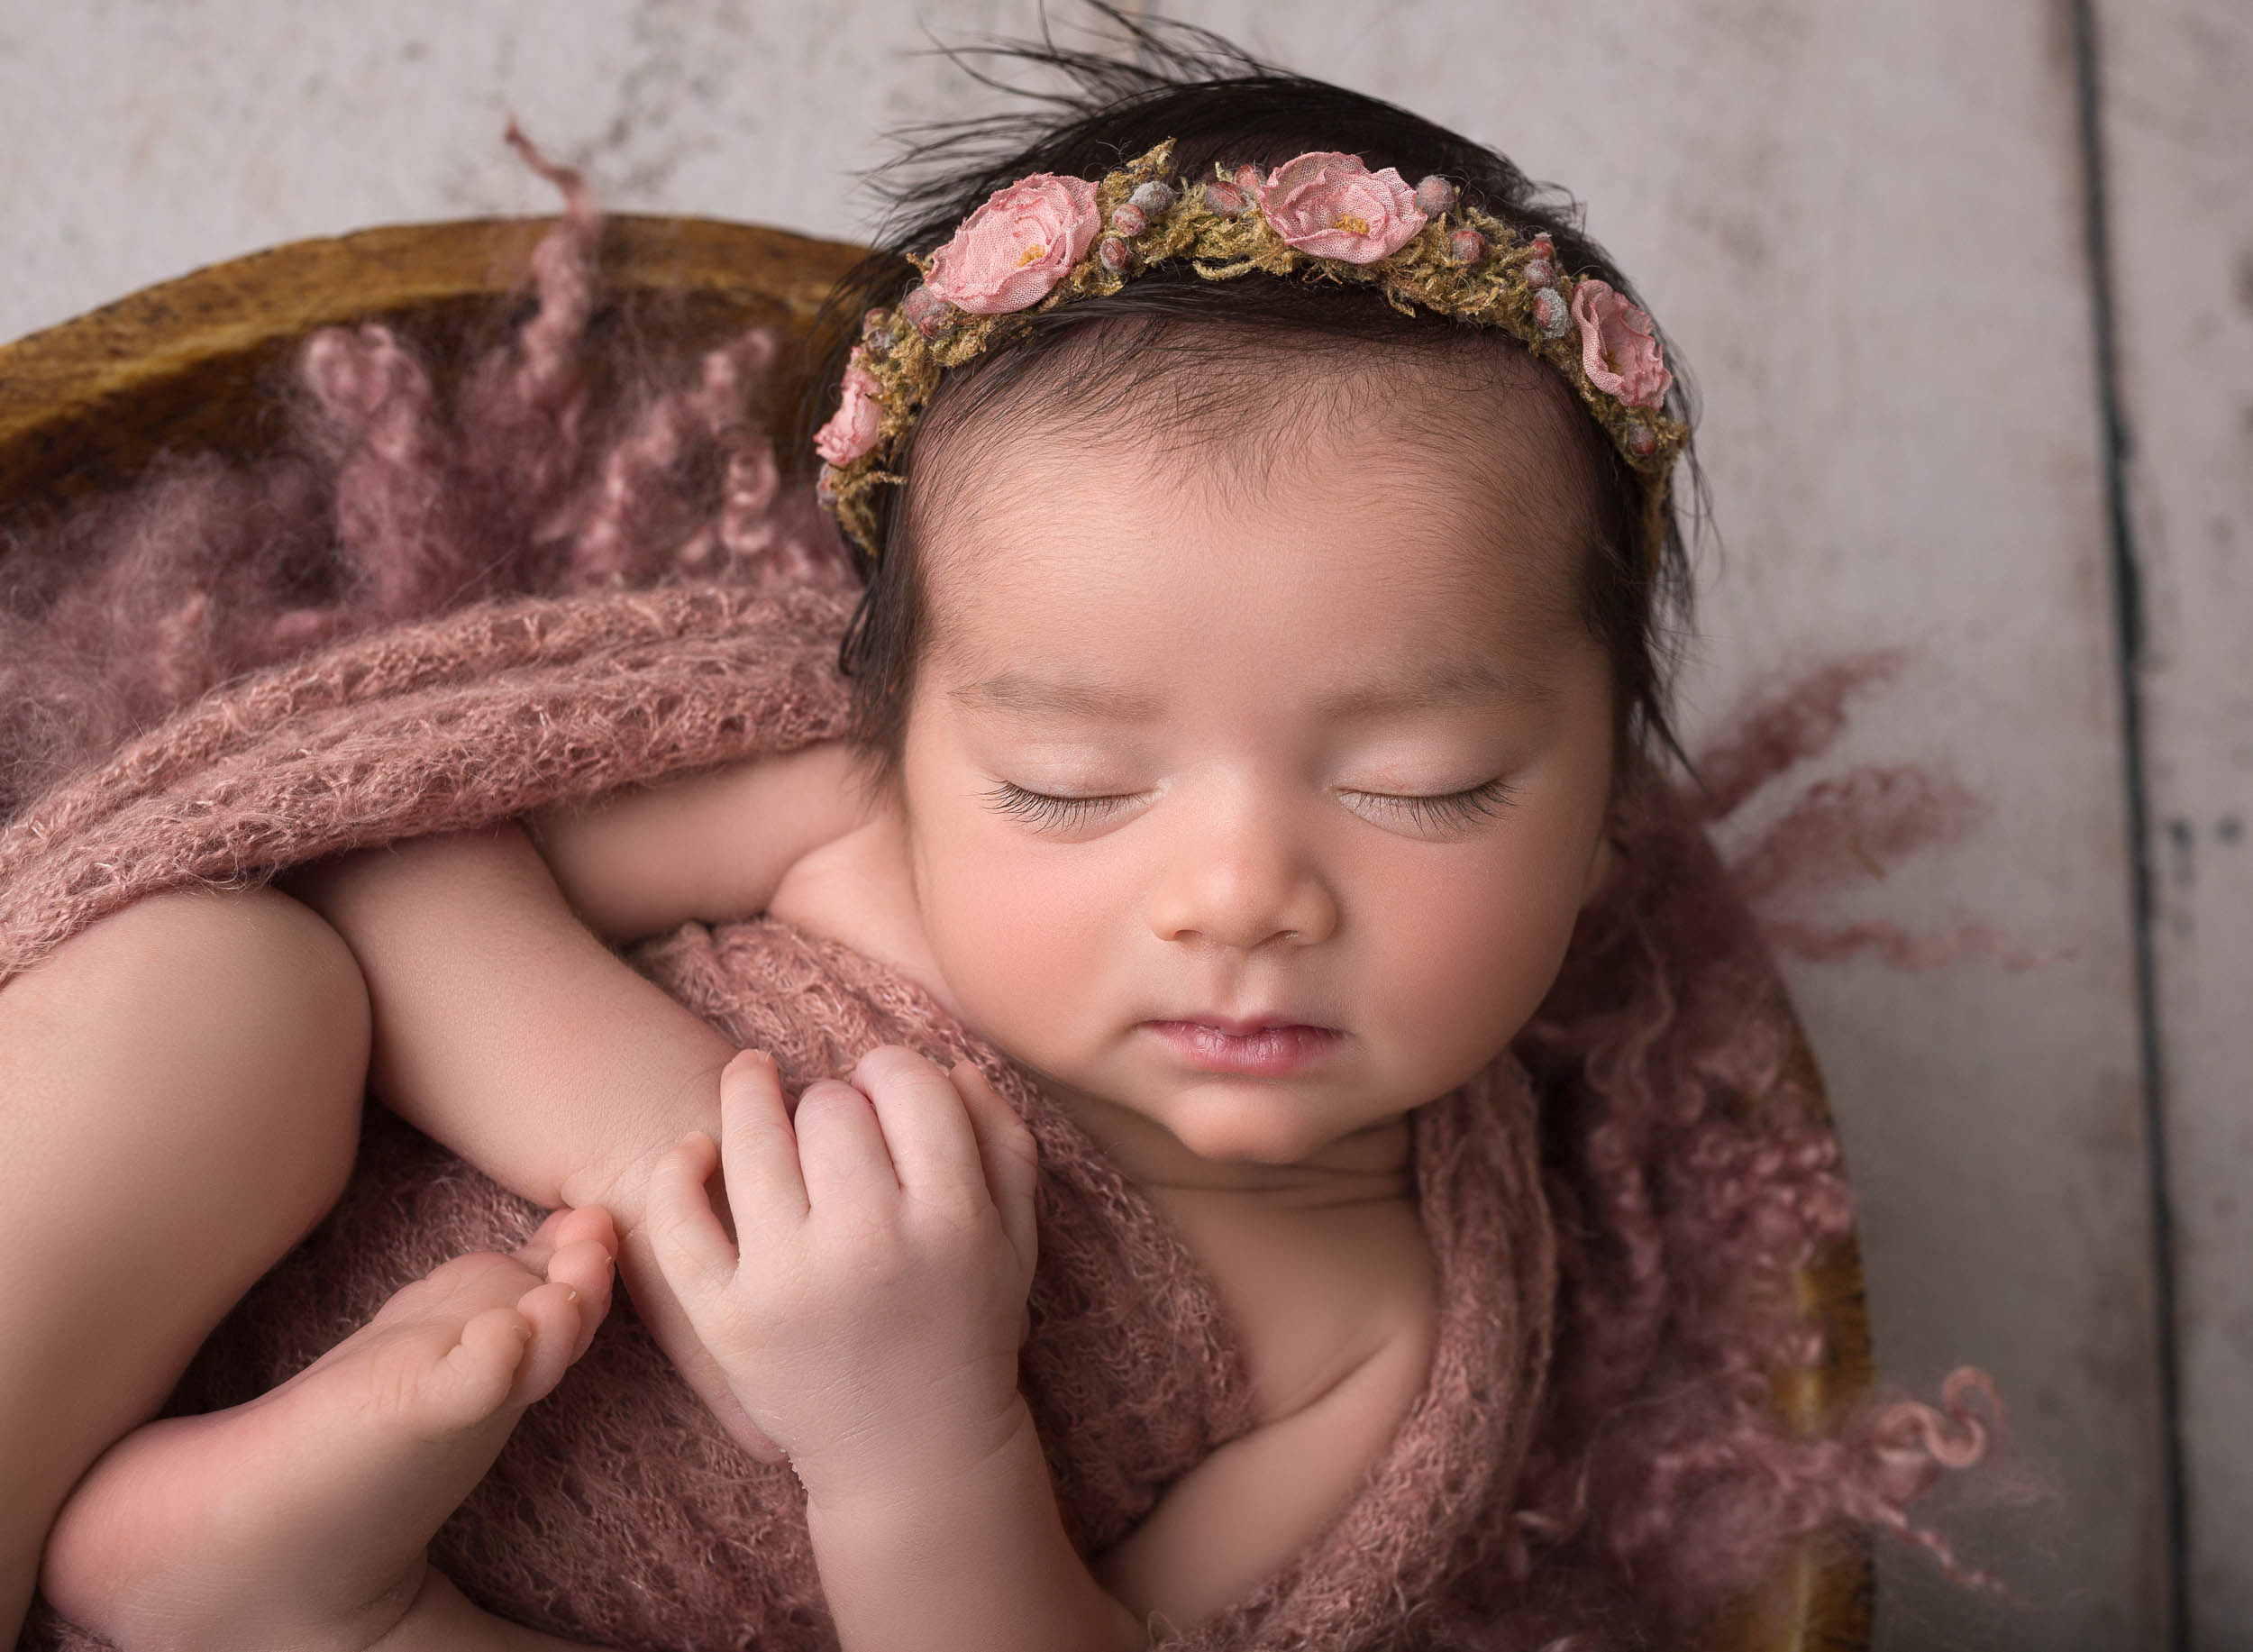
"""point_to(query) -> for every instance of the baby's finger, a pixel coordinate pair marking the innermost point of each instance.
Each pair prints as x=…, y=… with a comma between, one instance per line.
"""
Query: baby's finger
x=841, y=1149
x=686, y=1239
x=758, y=1145
x=1010, y=1158
x=933, y=1144
x=665, y=1312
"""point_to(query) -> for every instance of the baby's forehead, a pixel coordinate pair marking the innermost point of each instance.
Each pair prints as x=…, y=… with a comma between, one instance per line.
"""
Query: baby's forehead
x=1480, y=499
x=1095, y=567
x=1466, y=421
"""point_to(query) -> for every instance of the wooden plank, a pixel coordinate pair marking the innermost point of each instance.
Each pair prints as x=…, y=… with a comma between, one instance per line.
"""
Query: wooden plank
x=1861, y=225
x=2178, y=135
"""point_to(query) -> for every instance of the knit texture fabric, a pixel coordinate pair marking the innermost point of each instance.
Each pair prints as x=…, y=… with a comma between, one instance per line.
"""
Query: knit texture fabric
x=1616, y=1207
x=619, y=1512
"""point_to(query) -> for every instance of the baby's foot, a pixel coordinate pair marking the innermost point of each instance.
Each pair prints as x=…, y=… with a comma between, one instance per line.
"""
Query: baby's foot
x=299, y=1519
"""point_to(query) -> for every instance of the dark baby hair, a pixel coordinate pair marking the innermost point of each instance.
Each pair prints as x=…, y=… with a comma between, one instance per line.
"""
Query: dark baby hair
x=1219, y=105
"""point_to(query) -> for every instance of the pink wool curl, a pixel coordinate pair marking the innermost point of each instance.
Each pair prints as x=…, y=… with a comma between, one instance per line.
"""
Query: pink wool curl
x=1663, y=1483
x=387, y=502
x=1773, y=736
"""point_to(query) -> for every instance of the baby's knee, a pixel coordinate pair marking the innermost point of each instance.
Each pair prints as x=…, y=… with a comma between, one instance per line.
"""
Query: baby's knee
x=230, y=1029
x=286, y=995
x=252, y=960
x=292, y=964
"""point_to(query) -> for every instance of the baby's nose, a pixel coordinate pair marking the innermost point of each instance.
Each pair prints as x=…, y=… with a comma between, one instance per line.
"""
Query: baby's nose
x=1241, y=890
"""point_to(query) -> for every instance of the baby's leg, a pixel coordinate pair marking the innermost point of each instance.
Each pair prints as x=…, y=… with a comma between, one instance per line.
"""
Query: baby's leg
x=179, y=1104
x=298, y=1522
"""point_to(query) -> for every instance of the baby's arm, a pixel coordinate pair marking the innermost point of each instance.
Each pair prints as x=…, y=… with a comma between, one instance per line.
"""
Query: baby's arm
x=503, y=1025
x=505, y=1028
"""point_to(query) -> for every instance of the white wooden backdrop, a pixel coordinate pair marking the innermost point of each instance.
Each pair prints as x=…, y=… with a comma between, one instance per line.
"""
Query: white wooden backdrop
x=1933, y=420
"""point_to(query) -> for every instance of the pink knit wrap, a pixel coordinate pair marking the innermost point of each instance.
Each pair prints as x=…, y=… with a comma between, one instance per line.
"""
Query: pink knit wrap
x=620, y=1513
x=1515, y=1498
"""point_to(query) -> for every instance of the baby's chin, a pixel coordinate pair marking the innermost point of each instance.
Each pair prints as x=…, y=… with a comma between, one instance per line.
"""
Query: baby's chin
x=1219, y=1130
x=1226, y=1130
x=1243, y=1121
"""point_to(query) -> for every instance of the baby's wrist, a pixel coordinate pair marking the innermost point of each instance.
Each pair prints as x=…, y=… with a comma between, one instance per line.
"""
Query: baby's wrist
x=620, y=1184
x=980, y=1562
x=876, y=1475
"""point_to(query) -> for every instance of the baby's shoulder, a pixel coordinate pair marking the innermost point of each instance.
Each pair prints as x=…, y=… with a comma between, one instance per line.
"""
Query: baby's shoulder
x=713, y=845
x=858, y=889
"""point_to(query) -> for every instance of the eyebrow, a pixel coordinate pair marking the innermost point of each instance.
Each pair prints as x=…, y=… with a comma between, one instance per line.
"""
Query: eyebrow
x=1431, y=685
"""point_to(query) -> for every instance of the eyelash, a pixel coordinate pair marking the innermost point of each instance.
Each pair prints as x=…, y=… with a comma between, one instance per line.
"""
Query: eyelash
x=1451, y=808
x=1444, y=809
x=1041, y=808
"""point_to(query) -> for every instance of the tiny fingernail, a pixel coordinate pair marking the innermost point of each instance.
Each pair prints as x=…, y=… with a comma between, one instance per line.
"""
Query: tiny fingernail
x=571, y=1293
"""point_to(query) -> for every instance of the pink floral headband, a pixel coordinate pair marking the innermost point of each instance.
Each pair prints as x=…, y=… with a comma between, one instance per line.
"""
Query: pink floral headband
x=1046, y=239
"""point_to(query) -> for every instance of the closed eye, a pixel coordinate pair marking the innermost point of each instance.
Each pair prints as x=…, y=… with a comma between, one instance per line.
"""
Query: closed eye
x=1426, y=812
x=1446, y=810
x=1045, y=810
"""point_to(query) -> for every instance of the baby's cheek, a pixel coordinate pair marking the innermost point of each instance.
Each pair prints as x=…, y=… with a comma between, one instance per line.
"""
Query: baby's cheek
x=1473, y=959
x=1021, y=938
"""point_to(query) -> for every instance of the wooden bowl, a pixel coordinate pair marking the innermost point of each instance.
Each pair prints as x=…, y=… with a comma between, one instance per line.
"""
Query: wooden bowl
x=193, y=364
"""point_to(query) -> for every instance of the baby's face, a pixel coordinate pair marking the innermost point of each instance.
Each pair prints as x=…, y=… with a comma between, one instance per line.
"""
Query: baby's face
x=1258, y=811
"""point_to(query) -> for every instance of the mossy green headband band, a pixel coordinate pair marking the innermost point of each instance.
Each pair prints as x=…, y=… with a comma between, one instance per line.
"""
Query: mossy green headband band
x=1046, y=241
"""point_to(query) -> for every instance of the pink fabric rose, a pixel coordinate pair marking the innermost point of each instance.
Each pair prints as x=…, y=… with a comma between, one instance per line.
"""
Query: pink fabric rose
x=1618, y=346
x=853, y=429
x=1014, y=250
x=1334, y=207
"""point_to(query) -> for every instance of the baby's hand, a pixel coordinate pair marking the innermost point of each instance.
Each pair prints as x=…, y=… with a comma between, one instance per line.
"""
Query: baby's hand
x=871, y=1322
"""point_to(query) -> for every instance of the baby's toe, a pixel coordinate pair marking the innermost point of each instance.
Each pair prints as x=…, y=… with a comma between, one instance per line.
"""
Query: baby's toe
x=587, y=1267
x=562, y=1320
x=476, y=1377
x=457, y=1288
x=588, y=1222
x=445, y=1351
x=484, y=1333
x=567, y=1228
